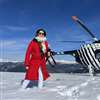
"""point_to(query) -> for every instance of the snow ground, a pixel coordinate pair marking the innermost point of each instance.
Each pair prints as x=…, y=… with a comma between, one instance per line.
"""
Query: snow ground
x=60, y=86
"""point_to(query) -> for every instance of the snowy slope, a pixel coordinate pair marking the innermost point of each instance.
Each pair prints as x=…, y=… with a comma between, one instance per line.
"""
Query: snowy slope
x=59, y=86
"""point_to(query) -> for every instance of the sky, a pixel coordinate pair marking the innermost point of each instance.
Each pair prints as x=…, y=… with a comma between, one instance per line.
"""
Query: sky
x=19, y=19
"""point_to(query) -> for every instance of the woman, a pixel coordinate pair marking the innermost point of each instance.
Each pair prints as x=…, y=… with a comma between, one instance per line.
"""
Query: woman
x=35, y=60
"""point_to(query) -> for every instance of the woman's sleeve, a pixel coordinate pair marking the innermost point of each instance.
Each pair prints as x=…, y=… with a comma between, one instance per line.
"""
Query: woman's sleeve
x=47, y=46
x=28, y=54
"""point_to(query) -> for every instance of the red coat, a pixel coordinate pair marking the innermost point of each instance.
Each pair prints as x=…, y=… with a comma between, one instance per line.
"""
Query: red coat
x=34, y=60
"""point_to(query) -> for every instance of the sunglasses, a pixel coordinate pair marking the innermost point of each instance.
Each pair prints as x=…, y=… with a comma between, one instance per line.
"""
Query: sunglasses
x=41, y=33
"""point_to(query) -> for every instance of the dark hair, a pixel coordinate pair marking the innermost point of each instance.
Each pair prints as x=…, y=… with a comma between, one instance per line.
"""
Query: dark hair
x=41, y=31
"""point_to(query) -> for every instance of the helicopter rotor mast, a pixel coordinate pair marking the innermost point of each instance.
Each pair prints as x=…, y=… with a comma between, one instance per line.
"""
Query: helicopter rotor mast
x=82, y=24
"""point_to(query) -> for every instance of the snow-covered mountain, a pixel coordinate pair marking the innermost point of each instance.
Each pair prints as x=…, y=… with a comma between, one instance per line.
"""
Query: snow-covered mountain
x=8, y=60
x=60, y=67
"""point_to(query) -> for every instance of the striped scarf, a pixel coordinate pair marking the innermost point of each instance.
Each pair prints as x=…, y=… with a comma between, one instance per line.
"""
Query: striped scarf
x=42, y=46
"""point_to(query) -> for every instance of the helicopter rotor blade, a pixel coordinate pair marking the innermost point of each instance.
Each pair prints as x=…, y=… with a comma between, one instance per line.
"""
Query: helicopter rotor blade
x=72, y=41
x=83, y=25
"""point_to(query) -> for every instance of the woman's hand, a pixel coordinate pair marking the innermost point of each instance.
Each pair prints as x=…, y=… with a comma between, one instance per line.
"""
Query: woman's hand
x=48, y=54
x=27, y=67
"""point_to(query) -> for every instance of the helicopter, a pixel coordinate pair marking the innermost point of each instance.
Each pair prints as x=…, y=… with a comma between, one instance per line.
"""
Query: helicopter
x=88, y=55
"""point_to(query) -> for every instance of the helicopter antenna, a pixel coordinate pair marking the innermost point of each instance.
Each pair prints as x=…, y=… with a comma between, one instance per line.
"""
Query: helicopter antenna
x=83, y=25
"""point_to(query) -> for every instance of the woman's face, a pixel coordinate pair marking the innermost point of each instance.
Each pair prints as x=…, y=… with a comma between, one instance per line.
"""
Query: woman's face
x=41, y=35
